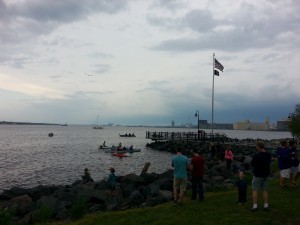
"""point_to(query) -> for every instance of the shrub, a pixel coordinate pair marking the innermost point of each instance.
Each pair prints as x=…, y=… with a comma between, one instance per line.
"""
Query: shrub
x=6, y=216
x=79, y=208
x=44, y=213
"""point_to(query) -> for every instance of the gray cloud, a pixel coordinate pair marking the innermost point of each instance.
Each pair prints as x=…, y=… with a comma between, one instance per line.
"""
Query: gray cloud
x=26, y=19
x=101, y=68
x=100, y=55
x=168, y=4
x=248, y=28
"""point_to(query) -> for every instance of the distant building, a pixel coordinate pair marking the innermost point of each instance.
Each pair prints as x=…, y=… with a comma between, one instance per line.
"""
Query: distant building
x=203, y=124
x=172, y=123
x=283, y=125
x=247, y=125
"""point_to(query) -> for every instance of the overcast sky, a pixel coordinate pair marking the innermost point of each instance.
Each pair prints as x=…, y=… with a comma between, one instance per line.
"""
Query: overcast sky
x=148, y=62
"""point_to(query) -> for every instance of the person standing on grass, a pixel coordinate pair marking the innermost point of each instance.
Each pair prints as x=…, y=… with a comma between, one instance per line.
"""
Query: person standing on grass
x=242, y=188
x=260, y=163
x=284, y=163
x=197, y=170
x=295, y=168
x=180, y=164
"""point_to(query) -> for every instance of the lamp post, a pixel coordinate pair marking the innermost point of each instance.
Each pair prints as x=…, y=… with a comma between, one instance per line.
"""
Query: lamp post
x=197, y=115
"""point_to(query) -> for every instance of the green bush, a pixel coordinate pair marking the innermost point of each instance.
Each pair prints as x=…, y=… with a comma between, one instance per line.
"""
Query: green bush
x=44, y=213
x=6, y=216
x=79, y=208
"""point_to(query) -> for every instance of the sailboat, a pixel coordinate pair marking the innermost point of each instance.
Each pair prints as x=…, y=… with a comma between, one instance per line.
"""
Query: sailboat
x=97, y=126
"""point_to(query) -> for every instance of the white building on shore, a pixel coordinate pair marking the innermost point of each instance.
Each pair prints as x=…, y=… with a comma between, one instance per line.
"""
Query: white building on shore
x=247, y=125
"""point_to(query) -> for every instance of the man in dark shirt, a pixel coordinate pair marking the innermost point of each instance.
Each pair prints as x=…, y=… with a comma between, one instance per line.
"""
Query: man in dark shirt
x=261, y=170
x=197, y=169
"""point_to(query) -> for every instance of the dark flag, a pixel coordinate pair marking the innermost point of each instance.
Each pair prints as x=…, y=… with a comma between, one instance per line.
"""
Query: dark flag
x=217, y=72
x=218, y=65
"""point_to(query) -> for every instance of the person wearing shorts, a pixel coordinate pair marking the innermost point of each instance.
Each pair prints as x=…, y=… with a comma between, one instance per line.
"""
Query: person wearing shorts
x=284, y=163
x=180, y=164
x=295, y=167
x=260, y=163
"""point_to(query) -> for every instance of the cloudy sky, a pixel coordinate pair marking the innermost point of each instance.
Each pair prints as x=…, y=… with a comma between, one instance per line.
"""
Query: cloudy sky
x=148, y=61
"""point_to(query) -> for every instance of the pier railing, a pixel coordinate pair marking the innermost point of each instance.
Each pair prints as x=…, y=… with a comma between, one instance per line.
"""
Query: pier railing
x=185, y=136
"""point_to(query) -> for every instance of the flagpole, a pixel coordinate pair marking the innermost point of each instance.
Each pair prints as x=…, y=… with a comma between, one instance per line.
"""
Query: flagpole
x=213, y=95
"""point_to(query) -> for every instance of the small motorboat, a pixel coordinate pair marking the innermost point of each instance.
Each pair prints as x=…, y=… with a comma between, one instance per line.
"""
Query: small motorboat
x=50, y=134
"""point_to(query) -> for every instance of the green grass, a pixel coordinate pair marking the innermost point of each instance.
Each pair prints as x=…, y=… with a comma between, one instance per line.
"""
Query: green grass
x=218, y=208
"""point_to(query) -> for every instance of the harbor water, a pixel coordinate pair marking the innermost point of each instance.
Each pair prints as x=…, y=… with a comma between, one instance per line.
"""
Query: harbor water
x=29, y=157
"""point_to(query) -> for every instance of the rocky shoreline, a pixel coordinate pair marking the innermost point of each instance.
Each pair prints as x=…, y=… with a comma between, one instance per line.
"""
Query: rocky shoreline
x=28, y=206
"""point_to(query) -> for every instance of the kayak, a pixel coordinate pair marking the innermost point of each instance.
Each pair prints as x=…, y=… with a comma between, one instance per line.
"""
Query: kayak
x=119, y=154
x=122, y=151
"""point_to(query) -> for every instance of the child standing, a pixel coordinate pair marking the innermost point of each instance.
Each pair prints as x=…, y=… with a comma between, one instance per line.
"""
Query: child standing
x=112, y=181
x=242, y=188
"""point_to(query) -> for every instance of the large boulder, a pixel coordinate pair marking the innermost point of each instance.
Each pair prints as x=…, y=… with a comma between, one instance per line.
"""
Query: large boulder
x=37, y=192
x=101, y=185
x=136, y=198
x=13, y=192
x=133, y=178
x=167, y=195
x=149, y=177
x=127, y=188
x=169, y=174
x=24, y=204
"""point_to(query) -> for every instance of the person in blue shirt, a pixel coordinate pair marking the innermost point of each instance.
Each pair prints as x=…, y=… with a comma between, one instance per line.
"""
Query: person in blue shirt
x=112, y=181
x=180, y=164
x=284, y=163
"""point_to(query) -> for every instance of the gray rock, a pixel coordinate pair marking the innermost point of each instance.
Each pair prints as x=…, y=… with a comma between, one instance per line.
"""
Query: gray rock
x=133, y=178
x=24, y=204
x=13, y=192
x=136, y=198
x=101, y=185
x=167, y=195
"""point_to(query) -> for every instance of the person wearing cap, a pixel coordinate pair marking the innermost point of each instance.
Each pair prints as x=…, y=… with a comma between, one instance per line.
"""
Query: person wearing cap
x=87, y=176
x=180, y=164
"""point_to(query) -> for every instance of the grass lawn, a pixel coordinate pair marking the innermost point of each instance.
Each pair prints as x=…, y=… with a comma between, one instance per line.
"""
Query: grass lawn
x=218, y=208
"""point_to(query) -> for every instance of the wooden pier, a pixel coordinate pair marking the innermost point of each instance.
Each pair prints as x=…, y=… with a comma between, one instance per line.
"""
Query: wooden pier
x=185, y=136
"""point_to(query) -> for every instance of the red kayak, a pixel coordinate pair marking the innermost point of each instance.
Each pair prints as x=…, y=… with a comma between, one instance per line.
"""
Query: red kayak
x=119, y=154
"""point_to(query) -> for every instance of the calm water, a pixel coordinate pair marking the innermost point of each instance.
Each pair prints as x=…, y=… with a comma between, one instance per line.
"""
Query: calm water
x=29, y=157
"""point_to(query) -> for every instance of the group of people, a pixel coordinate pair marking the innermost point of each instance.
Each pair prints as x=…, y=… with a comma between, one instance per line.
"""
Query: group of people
x=261, y=161
x=112, y=179
x=217, y=152
x=288, y=163
x=181, y=165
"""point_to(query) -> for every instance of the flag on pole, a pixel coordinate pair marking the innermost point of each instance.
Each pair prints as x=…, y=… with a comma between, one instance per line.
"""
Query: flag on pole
x=216, y=72
x=218, y=66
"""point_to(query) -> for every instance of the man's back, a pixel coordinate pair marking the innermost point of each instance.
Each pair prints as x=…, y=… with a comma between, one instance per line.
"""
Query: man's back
x=180, y=163
x=261, y=164
x=198, y=166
